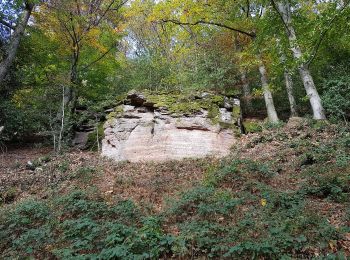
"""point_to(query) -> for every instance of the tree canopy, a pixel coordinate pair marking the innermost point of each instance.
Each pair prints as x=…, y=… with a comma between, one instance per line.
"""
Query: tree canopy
x=278, y=56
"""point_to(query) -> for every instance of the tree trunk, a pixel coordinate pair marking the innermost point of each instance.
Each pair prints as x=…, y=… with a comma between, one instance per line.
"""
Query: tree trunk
x=271, y=111
x=74, y=66
x=309, y=85
x=69, y=94
x=14, y=42
x=245, y=83
x=60, y=138
x=246, y=91
x=289, y=87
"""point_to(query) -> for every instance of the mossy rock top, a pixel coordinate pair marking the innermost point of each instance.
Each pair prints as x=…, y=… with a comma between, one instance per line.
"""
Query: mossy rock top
x=182, y=103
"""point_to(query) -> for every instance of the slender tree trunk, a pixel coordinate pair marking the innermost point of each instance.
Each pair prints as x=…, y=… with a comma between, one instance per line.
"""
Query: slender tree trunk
x=271, y=110
x=289, y=87
x=60, y=138
x=309, y=85
x=69, y=94
x=289, y=84
x=74, y=65
x=14, y=42
x=246, y=91
x=245, y=83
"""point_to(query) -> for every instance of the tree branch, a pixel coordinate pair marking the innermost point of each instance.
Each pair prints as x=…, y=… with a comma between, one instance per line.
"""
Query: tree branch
x=99, y=58
x=323, y=34
x=280, y=15
x=63, y=24
x=248, y=8
x=250, y=34
x=109, y=8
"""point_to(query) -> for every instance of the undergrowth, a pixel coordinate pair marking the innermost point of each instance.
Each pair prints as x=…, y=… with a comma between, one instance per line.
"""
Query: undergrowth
x=236, y=212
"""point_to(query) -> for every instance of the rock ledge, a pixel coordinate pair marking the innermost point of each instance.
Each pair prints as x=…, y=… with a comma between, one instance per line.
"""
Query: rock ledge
x=164, y=126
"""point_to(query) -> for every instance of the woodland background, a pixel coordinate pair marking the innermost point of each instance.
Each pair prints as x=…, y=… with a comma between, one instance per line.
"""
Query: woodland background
x=84, y=54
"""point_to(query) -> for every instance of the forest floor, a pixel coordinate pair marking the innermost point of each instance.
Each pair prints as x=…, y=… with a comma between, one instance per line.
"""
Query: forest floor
x=282, y=192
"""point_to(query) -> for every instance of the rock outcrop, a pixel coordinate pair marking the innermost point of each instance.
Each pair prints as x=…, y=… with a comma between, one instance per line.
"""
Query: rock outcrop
x=171, y=126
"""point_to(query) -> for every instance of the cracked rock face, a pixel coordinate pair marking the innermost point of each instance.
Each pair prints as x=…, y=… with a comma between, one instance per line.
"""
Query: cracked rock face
x=146, y=133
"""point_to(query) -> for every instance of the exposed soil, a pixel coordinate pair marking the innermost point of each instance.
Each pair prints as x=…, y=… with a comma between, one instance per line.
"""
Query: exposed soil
x=146, y=183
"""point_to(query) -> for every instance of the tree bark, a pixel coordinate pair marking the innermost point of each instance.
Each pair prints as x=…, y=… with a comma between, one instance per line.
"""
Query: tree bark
x=69, y=94
x=309, y=85
x=15, y=40
x=289, y=87
x=246, y=91
x=245, y=83
x=289, y=84
x=270, y=106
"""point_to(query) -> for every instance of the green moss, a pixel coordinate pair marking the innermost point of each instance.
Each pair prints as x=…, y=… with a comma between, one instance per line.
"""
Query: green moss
x=161, y=100
x=214, y=113
x=121, y=98
x=225, y=125
x=185, y=103
x=232, y=92
x=177, y=103
x=111, y=115
x=236, y=112
x=185, y=107
x=91, y=143
x=217, y=99
x=118, y=111
x=232, y=126
x=252, y=126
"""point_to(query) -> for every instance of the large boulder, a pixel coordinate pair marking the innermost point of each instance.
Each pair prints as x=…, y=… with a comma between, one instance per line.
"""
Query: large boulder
x=171, y=126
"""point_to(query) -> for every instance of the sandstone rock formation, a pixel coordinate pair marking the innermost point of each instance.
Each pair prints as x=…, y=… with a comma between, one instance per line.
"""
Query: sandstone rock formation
x=167, y=127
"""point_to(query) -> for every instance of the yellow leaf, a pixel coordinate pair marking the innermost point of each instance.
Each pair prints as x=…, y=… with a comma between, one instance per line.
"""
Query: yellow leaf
x=263, y=202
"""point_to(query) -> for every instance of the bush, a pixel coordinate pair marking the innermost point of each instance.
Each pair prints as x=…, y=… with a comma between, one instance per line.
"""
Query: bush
x=238, y=171
x=25, y=229
x=16, y=122
x=81, y=225
x=336, y=97
x=329, y=183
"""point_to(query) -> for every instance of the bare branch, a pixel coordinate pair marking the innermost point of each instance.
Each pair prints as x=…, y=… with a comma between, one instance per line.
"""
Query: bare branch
x=250, y=34
x=248, y=8
x=109, y=8
x=99, y=58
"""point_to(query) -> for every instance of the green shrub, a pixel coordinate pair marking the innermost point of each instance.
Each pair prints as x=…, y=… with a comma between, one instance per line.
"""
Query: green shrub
x=84, y=174
x=25, y=229
x=269, y=125
x=329, y=184
x=81, y=224
x=63, y=166
x=239, y=171
x=204, y=203
x=252, y=126
x=336, y=97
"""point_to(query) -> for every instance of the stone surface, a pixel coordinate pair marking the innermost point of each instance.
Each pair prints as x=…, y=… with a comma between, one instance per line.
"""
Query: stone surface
x=80, y=139
x=148, y=133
